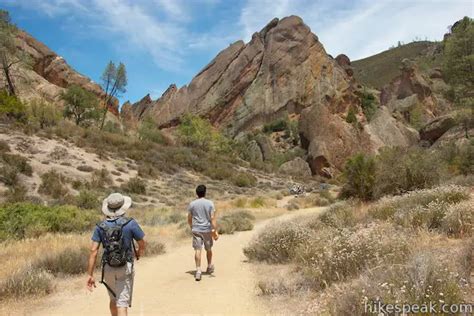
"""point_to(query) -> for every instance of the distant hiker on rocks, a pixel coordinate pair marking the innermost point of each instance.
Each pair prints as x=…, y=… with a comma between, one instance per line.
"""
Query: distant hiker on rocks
x=202, y=220
x=116, y=233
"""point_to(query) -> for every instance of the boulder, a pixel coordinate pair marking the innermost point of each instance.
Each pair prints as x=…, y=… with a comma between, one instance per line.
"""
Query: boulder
x=296, y=167
x=265, y=146
x=436, y=128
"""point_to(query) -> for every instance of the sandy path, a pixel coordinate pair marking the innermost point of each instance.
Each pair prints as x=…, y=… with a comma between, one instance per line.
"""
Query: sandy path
x=164, y=285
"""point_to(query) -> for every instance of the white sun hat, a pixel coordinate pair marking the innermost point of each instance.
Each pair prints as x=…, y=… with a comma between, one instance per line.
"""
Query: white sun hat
x=116, y=204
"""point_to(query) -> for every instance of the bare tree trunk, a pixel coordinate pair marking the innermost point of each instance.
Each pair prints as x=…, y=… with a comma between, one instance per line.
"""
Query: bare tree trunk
x=11, y=87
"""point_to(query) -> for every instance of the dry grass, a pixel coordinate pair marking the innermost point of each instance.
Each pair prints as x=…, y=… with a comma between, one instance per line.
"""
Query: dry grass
x=400, y=249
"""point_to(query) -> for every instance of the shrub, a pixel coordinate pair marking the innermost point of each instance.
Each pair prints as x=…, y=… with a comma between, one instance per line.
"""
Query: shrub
x=369, y=107
x=351, y=116
x=459, y=219
x=22, y=220
x=399, y=170
x=85, y=168
x=424, y=279
x=101, y=178
x=276, y=126
x=335, y=255
x=26, y=282
x=195, y=131
x=4, y=147
x=53, y=184
x=135, y=185
x=149, y=131
x=339, y=215
x=12, y=108
x=242, y=179
x=16, y=162
x=235, y=222
x=154, y=248
x=44, y=114
x=360, y=177
x=87, y=199
x=278, y=243
x=70, y=261
x=257, y=202
x=16, y=193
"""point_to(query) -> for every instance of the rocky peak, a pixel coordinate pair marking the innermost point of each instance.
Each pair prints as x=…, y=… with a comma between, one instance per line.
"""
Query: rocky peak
x=282, y=69
x=50, y=73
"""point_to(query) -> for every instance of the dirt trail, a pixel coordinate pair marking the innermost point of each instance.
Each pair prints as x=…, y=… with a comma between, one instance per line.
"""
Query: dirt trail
x=164, y=285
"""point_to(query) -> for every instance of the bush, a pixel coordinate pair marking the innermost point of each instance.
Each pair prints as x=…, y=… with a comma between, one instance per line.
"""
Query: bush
x=26, y=282
x=400, y=170
x=351, y=117
x=11, y=165
x=71, y=261
x=235, y=222
x=22, y=220
x=12, y=108
x=276, y=126
x=135, y=185
x=87, y=199
x=149, y=131
x=85, y=168
x=360, y=177
x=278, y=243
x=369, y=107
x=195, y=131
x=458, y=220
x=257, y=202
x=44, y=114
x=242, y=179
x=100, y=179
x=154, y=248
x=53, y=184
x=334, y=255
x=340, y=215
x=4, y=147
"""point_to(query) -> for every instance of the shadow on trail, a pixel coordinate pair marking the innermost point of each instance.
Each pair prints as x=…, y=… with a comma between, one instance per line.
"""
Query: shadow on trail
x=193, y=272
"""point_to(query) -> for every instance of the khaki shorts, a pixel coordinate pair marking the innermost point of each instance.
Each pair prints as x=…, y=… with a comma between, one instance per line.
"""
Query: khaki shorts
x=120, y=280
x=202, y=240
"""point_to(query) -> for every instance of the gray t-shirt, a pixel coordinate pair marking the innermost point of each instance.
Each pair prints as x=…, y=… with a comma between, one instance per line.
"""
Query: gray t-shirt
x=201, y=210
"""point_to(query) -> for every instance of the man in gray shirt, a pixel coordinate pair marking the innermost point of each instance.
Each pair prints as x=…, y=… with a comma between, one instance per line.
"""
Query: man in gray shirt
x=202, y=220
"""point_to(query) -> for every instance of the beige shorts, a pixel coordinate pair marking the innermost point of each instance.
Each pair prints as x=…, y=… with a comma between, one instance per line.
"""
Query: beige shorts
x=202, y=240
x=120, y=280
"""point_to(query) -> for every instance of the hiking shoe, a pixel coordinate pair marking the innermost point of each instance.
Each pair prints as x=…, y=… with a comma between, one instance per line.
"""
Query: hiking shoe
x=210, y=269
x=197, y=277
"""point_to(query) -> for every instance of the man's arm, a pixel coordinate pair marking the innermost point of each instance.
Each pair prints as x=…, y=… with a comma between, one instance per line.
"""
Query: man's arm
x=190, y=220
x=215, y=234
x=141, y=247
x=91, y=265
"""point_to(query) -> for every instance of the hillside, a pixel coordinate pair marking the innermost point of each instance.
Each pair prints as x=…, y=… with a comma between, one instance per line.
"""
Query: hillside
x=378, y=70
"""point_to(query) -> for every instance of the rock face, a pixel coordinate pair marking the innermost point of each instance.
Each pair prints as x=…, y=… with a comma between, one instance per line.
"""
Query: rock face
x=411, y=92
x=296, y=167
x=49, y=73
x=284, y=68
x=436, y=128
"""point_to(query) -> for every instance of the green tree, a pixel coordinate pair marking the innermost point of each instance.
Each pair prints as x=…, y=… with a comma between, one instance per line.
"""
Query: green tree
x=114, y=81
x=12, y=108
x=458, y=65
x=9, y=53
x=81, y=105
x=360, y=177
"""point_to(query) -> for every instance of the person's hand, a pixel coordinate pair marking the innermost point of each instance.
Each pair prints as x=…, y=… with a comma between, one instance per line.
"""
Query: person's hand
x=91, y=283
x=215, y=234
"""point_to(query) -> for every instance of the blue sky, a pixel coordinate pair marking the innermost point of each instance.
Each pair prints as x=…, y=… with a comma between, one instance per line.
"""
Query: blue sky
x=169, y=41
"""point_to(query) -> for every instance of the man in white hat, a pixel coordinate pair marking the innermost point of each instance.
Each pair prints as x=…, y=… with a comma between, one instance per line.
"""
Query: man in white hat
x=116, y=233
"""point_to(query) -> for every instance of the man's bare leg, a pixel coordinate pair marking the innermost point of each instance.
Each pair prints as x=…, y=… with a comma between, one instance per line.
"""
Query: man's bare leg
x=197, y=259
x=122, y=311
x=209, y=257
x=113, y=308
